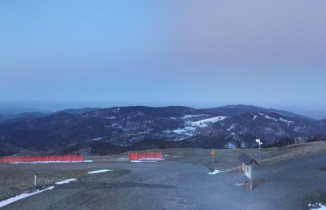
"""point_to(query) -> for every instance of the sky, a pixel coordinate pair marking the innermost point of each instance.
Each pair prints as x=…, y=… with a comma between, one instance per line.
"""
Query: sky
x=164, y=52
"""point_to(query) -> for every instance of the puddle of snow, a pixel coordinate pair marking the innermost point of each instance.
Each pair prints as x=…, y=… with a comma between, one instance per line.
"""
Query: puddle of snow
x=99, y=171
x=66, y=181
x=215, y=172
x=88, y=161
x=22, y=196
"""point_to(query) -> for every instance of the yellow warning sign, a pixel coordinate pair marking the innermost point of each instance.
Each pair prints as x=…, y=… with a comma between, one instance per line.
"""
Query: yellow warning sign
x=213, y=153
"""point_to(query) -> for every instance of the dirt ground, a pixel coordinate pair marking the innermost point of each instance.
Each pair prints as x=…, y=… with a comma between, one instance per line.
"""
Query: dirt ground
x=227, y=159
x=16, y=180
x=16, y=177
x=179, y=185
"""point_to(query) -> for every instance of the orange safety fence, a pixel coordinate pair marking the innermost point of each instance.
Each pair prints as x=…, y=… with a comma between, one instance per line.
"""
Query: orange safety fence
x=134, y=156
x=43, y=158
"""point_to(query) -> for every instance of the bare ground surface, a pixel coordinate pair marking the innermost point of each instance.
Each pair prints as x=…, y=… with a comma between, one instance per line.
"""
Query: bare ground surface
x=227, y=159
x=286, y=180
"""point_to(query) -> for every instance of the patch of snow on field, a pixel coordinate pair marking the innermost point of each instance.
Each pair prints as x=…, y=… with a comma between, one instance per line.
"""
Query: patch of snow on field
x=142, y=132
x=268, y=117
x=239, y=184
x=255, y=116
x=206, y=122
x=187, y=131
x=88, y=161
x=215, y=172
x=22, y=196
x=188, y=116
x=286, y=121
x=110, y=118
x=321, y=206
x=166, y=131
x=230, y=145
x=230, y=128
x=95, y=139
x=99, y=171
x=67, y=181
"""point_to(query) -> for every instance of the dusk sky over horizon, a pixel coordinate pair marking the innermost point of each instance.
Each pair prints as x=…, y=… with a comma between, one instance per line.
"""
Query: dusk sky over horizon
x=192, y=53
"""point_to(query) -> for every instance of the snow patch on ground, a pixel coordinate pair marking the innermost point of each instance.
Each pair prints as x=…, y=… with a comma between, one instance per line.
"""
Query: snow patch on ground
x=215, y=172
x=255, y=116
x=153, y=159
x=187, y=130
x=167, y=131
x=88, y=161
x=22, y=196
x=99, y=171
x=96, y=139
x=268, y=130
x=268, y=117
x=116, y=125
x=206, y=122
x=67, y=181
x=288, y=122
x=230, y=145
x=191, y=127
x=110, y=118
x=188, y=116
x=321, y=206
x=143, y=132
x=230, y=128
x=233, y=136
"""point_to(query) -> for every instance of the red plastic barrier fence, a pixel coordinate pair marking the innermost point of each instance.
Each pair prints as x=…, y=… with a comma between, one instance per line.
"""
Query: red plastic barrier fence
x=47, y=158
x=134, y=156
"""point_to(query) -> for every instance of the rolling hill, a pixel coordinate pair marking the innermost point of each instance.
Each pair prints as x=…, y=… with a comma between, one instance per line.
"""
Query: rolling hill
x=222, y=127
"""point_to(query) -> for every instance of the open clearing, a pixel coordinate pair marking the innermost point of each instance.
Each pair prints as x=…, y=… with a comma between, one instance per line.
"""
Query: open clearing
x=227, y=159
x=181, y=181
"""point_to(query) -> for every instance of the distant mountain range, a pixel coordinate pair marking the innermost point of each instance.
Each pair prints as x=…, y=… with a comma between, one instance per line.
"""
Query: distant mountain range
x=142, y=127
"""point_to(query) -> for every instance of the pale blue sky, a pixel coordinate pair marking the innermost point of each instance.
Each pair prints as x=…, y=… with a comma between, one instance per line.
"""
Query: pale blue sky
x=193, y=53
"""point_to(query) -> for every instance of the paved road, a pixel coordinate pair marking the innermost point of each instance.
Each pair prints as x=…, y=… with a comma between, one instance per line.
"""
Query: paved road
x=174, y=185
